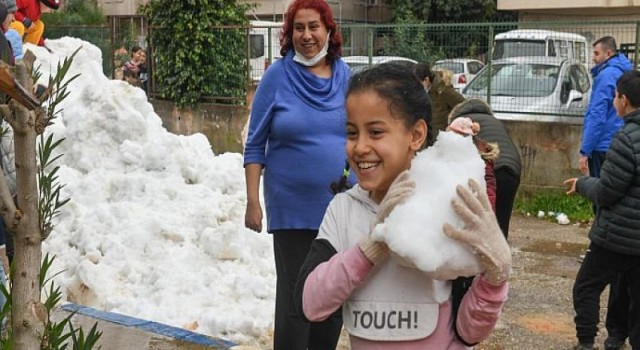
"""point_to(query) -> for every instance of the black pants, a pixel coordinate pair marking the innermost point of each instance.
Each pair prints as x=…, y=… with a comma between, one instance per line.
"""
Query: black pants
x=507, y=184
x=618, y=305
x=595, y=164
x=290, y=248
x=600, y=268
x=617, y=322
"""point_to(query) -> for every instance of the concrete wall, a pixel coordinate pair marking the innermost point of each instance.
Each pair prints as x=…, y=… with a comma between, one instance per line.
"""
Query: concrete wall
x=549, y=151
x=222, y=125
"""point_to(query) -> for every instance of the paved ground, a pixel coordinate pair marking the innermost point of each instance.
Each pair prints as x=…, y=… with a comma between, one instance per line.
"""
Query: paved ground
x=539, y=313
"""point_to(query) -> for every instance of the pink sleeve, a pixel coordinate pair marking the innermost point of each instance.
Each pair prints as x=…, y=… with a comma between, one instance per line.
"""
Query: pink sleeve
x=331, y=283
x=480, y=309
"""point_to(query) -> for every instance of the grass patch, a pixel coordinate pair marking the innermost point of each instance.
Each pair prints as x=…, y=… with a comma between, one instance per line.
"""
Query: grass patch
x=576, y=207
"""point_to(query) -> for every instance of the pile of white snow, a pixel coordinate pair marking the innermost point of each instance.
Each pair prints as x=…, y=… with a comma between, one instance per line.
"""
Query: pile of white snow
x=155, y=225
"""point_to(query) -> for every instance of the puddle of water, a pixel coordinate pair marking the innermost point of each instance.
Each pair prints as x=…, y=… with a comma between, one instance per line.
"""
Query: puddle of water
x=556, y=248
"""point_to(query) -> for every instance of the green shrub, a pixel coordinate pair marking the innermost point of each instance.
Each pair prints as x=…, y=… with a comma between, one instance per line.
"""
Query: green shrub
x=576, y=207
x=192, y=59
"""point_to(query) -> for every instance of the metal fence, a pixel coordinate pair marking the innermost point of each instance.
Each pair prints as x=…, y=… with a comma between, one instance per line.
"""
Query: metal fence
x=554, y=81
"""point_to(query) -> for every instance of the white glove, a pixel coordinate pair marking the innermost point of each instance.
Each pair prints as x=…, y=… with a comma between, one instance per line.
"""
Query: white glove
x=481, y=232
x=401, y=188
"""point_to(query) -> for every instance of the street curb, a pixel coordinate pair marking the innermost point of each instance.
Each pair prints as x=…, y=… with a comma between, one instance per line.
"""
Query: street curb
x=149, y=326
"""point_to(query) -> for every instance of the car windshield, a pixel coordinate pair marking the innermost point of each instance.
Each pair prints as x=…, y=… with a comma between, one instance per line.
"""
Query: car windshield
x=455, y=67
x=519, y=80
x=516, y=48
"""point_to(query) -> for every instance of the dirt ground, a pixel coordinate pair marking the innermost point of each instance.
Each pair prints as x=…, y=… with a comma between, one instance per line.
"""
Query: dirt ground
x=539, y=312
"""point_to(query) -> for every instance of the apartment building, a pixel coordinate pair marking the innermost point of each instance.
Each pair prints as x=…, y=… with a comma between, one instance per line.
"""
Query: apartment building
x=577, y=11
x=345, y=11
x=120, y=7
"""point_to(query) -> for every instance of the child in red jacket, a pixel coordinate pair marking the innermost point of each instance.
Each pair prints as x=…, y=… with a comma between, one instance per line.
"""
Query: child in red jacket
x=28, y=23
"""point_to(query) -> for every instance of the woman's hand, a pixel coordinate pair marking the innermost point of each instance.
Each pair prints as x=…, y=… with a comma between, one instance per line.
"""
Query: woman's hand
x=481, y=232
x=253, y=216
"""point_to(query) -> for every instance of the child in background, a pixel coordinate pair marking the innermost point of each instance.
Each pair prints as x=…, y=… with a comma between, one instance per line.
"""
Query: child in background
x=346, y=269
x=28, y=23
x=133, y=68
x=12, y=36
x=615, y=242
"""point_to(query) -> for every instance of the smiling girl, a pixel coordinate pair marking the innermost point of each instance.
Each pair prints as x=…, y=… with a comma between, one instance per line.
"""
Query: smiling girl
x=386, y=305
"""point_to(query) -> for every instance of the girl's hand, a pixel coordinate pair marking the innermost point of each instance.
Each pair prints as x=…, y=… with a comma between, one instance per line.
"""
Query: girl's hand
x=401, y=188
x=481, y=232
x=572, y=184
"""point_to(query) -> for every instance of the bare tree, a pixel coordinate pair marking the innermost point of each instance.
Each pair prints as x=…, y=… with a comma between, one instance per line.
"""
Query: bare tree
x=38, y=194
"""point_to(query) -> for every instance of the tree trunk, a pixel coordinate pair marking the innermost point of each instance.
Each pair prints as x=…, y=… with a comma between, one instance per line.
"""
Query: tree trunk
x=27, y=328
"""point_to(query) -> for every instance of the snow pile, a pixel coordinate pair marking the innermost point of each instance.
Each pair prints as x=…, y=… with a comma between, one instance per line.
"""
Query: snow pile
x=155, y=225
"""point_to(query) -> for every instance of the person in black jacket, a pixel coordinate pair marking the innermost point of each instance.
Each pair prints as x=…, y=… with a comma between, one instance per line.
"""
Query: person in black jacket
x=615, y=239
x=507, y=167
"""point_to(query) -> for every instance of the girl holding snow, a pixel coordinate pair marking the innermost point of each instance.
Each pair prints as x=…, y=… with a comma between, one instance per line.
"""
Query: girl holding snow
x=386, y=305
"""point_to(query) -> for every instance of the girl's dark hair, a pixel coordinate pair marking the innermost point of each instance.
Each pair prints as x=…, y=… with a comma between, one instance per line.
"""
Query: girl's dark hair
x=629, y=85
x=343, y=183
x=335, y=38
x=422, y=70
x=135, y=49
x=398, y=85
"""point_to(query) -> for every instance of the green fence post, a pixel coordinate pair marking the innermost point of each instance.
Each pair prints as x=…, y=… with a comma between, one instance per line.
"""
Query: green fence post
x=270, y=44
x=248, y=38
x=489, y=60
x=637, y=47
x=370, y=44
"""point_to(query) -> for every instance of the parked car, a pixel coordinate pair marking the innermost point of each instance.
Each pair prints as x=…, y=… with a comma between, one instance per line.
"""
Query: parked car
x=534, y=88
x=358, y=63
x=464, y=69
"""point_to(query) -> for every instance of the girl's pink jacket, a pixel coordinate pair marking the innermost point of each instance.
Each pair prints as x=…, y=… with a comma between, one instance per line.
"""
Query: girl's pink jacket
x=331, y=283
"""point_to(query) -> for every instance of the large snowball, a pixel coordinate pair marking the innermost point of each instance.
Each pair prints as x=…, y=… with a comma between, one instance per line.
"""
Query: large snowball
x=413, y=230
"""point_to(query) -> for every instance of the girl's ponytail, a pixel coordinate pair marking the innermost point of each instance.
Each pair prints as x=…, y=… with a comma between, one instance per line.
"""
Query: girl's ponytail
x=343, y=183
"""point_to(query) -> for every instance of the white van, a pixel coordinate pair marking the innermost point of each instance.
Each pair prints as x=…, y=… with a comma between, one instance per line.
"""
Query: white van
x=264, y=46
x=537, y=42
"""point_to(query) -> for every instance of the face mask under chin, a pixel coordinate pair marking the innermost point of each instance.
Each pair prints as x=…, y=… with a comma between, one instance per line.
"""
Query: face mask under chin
x=310, y=62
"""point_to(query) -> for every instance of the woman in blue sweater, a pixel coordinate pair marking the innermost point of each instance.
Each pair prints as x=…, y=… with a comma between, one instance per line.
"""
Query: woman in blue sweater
x=297, y=135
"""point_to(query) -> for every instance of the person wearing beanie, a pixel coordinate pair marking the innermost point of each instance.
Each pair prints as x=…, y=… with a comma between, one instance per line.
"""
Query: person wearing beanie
x=507, y=166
